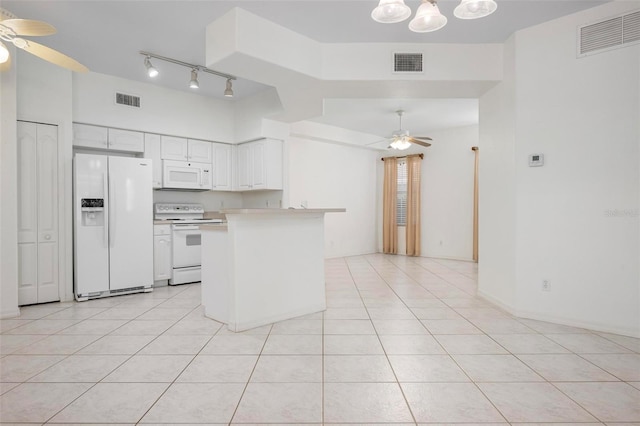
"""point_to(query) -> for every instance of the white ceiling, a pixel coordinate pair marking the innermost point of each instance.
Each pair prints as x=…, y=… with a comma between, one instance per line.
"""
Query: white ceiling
x=106, y=36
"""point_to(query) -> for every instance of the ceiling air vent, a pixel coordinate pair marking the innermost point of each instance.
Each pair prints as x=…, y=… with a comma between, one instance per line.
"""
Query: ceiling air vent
x=612, y=33
x=128, y=100
x=407, y=62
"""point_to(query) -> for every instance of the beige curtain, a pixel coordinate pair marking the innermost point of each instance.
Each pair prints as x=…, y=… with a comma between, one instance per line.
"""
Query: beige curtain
x=389, y=200
x=413, y=205
x=476, y=152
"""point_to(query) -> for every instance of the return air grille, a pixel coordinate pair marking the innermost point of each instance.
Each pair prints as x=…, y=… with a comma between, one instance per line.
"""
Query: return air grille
x=609, y=34
x=407, y=62
x=128, y=100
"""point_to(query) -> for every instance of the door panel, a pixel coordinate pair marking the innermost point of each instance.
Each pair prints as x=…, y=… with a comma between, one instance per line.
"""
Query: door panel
x=27, y=274
x=90, y=136
x=173, y=148
x=244, y=166
x=257, y=162
x=48, y=272
x=222, y=167
x=200, y=151
x=47, y=183
x=27, y=183
x=162, y=257
x=126, y=140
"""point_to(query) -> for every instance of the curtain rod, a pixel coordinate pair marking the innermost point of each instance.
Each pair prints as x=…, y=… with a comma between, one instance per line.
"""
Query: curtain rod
x=406, y=156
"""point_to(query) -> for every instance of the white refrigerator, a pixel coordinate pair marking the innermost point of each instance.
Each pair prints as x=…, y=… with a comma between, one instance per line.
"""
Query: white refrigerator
x=113, y=225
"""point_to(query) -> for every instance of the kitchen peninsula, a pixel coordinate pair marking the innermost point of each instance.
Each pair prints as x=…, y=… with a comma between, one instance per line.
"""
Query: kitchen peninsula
x=263, y=266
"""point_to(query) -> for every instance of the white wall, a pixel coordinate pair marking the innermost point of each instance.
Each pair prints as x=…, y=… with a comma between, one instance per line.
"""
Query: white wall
x=163, y=111
x=582, y=114
x=8, y=186
x=45, y=96
x=330, y=175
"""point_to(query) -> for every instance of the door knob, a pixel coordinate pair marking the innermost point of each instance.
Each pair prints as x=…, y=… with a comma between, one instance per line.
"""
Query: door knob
x=47, y=237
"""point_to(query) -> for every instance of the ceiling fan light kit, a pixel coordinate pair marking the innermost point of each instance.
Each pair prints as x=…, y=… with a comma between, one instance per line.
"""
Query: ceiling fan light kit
x=391, y=11
x=4, y=53
x=428, y=17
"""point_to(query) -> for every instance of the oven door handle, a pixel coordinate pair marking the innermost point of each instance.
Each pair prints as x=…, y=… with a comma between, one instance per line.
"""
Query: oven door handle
x=186, y=228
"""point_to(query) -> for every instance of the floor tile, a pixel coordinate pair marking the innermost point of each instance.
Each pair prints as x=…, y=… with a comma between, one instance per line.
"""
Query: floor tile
x=165, y=314
x=632, y=343
x=346, y=313
x=81, y=368
x=219, y=369
x=528, y=344
x=75, y=313
x=177, y=345
x=609, y=402
x=449, y=403
x=352, y=345
x=391, y=314
x=410, y=345
x=20, y=368
x=534, y=402
x=184, y=327
x=43, y=326
x=238, y=344
x=12, y=343
x=427, y=368
x=411, y=326
x=280, y=403
x=150, y=369
x=348, y=327
x=117, y=345
x=297, y=326
x=364, y=403
x=496, y=368
x=58, y=344
x=143, y=328
x=565, y=368
x=91, y=326
x=9, y=324
x=624, y=366
x=551, y=328
x=435, y=313
x=119, y=313
x=264, y=330
x=37, y=402
x=501, y=326
x=357, y=368
x=451, y=326
x=587, y=343
x=6, y=387
x=288, y=369
x=112, y=403
x=470, y=344
x=293, y=345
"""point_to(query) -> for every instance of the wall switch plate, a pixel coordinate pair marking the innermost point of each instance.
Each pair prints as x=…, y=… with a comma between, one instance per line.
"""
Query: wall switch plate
x=536, y=160
x=546, y=285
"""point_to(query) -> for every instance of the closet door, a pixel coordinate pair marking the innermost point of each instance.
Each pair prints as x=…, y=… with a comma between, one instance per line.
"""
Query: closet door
x=38, y=213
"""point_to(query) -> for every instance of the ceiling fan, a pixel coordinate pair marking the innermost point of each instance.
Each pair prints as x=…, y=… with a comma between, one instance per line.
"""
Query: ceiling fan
x=402, y=139
x=11, y=28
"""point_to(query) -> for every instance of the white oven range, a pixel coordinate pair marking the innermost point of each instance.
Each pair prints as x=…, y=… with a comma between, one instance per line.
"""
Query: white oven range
x=186, y=239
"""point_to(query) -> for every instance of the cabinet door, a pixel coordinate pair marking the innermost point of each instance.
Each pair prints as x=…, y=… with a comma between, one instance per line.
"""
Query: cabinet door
x=221, y=167
x=199, y=151
x=152, y=151
x=174, y=148
x=126, y=140
x=258, y=166
x=90, y=136
x=161, y=257
x=244, y=166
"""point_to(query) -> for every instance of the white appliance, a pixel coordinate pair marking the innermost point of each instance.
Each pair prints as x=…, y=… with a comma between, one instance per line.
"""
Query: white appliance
x=186, y=239
x=113, y=225
x=186, y=175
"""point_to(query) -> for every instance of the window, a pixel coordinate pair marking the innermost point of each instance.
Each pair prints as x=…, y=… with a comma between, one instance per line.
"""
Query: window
x=401, y=201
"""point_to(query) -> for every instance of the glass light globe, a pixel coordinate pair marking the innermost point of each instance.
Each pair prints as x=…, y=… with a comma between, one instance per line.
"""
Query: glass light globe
x=474, y=9
x=4, y=53
x=391, y=11
x=428, y=18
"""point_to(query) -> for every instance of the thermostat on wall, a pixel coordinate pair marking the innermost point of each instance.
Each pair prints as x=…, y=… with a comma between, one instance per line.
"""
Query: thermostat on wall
x=536, y=160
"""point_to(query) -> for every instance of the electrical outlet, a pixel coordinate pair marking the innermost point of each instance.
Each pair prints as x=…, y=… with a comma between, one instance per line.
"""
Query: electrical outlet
x=546, y=285
x=440, y=242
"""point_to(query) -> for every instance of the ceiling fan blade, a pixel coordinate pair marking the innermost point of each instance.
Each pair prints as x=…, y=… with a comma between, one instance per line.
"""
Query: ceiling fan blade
x=48, y=54
x=377, y=142
x=426, y=138
x=28, y=27
x=419, y=142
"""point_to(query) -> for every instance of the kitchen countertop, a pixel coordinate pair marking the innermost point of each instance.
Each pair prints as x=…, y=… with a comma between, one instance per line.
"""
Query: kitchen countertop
x=214, y=227
x=281, y=211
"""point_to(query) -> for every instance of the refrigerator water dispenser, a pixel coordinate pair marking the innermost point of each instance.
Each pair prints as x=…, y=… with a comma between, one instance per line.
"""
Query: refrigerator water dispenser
x=92, y=211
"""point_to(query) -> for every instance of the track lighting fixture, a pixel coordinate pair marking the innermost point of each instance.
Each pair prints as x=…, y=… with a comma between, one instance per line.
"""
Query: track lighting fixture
x=194, y=80
x=151, y=71
x=428, y=17
x=228, y=92
x=193, y=83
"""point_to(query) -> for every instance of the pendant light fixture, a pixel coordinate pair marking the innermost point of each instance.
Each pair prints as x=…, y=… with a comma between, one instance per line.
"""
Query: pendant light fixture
x=428, y=18
x=391, y=11
x=151, y=71
x=228, y=92
x=194, y=80
x=474, y=9
x=4, y=53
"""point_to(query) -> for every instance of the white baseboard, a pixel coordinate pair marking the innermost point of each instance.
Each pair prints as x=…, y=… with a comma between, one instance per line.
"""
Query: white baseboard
x=11, y=313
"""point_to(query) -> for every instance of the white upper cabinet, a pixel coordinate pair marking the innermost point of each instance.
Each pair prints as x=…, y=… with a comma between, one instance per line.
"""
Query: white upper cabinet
x=181, y=149
x=221, y=166
x=126, y=140
x=152, y=151
x=90, y=136
x=97, y=137
x=199, y=151
x=174, y=148
x=259, y=165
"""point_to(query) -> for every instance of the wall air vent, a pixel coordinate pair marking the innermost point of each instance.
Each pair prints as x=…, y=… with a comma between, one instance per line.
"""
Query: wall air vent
x=612, y=33
x=128, y=100
x=407, y=62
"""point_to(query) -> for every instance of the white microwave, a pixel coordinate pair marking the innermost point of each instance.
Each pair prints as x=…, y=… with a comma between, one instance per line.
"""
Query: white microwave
x=186, y=175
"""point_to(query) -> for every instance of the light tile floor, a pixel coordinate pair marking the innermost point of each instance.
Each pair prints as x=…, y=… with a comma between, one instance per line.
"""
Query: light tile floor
x=403, y=341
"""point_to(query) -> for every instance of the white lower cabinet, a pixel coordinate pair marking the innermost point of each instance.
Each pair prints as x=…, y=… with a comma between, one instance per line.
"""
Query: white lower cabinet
x=162, y=266
x=37, y=213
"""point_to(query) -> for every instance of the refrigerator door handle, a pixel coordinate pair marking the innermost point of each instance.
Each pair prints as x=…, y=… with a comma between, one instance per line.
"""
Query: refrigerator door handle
x=112, y=221
x=105, y=227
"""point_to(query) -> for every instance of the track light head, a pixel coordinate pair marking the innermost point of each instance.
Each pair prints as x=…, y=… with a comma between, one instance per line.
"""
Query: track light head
x=194, y=79
x=151, y=71
x=228, y=92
